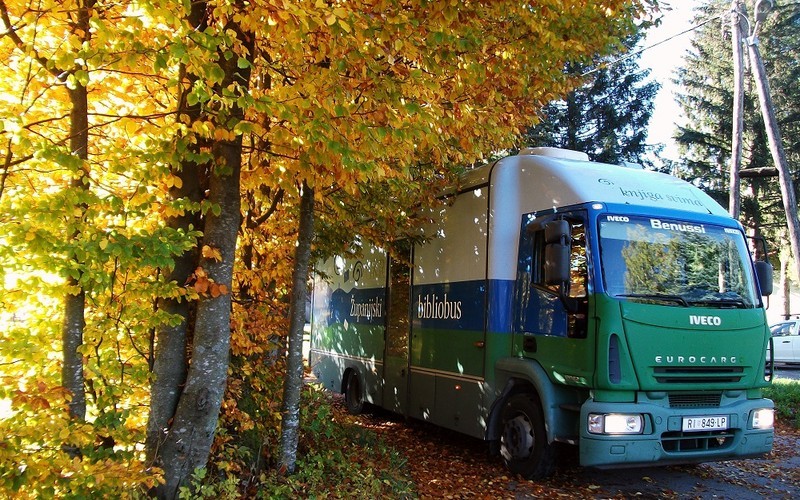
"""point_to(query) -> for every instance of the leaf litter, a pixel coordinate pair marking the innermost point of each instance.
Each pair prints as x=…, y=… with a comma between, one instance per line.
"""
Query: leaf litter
x=449, y=465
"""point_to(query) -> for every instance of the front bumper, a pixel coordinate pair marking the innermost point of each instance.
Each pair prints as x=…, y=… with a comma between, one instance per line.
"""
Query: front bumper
x=664, y=442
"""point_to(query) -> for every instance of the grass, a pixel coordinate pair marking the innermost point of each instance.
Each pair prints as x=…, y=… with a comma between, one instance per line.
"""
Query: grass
x=786, y=395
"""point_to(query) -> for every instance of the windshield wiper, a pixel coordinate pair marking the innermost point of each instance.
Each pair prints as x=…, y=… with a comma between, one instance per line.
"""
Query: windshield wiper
x=656, y=296
x=722, y=303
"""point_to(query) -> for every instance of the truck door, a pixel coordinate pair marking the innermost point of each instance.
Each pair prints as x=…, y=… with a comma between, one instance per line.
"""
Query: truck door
x=554, y=321
x=395, y=368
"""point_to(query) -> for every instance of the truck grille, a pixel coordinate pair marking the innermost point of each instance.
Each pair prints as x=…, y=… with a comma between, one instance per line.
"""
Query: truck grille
x=698, y=374
x=700, y=400
x=696, y=441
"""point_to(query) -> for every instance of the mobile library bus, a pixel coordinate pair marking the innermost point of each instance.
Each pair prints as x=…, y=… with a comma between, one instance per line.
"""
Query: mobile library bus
x=559, y=300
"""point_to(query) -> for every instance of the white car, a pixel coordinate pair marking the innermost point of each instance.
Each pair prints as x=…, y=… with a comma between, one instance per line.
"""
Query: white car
x=786, y=341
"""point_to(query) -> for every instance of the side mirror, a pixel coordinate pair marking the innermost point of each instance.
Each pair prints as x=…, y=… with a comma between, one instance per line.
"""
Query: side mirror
x=557, y=236
x=764, y=277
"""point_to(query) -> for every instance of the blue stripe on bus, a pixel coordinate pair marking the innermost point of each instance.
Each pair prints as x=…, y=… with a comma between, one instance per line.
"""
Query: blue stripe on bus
x=443, y=306
x=501, y=306
x=364, y=306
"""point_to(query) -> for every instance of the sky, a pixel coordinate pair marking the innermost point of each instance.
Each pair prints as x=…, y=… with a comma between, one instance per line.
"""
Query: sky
x=663, y=60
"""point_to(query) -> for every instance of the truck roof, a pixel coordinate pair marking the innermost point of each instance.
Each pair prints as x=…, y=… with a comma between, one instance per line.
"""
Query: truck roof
x=552, y=177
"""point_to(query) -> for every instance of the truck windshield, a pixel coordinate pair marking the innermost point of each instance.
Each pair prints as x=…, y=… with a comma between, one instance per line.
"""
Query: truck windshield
x=674, y=262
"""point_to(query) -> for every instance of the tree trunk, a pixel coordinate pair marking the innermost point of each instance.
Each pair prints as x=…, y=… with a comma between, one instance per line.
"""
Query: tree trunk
x=75, y=303
x=72, y=375
x=72, y=339
x=776, y=148
x=293, y=383
x=785, y=286
x=191, y=434
x=170, y=364
x=737, y=19
x=574, y=118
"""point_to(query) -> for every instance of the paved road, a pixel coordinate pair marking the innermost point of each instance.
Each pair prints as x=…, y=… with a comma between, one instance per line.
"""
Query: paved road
x=774, y=476
x=787, y=371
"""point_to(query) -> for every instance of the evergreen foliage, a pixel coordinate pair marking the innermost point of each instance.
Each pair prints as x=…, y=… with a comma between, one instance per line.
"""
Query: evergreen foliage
x=607, y=115
x=707, y=100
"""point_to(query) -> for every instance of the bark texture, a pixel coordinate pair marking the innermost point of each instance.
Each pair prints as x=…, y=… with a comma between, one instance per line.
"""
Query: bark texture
x=72, y=375
x=293, y=383
x=191, y=434
x=170, y=357
x=188, y=442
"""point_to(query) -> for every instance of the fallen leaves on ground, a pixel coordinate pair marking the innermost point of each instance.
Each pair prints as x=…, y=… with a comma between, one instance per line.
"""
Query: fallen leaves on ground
x=449, y=465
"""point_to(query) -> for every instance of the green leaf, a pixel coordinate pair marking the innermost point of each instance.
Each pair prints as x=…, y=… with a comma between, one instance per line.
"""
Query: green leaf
x=160, y=62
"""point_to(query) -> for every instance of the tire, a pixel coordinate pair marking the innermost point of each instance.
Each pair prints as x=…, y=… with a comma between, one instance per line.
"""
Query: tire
x=523, y=442
x=354, y=394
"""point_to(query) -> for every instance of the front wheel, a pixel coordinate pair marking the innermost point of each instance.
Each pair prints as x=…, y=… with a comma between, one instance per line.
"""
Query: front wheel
x=523, y=443
x=354, y=394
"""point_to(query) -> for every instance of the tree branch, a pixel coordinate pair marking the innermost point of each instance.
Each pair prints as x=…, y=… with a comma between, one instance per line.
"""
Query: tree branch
x=12, y=34
x=266, y=215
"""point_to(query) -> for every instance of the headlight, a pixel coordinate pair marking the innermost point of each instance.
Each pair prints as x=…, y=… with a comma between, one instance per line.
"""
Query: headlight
x=615, y=423
x=763, y=418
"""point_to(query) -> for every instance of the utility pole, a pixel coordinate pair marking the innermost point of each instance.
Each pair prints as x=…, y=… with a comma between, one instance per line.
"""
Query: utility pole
x=737, y=28
x=762, y=7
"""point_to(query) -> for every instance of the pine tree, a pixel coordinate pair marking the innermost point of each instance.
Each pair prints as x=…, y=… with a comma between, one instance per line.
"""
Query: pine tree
x=707, y=102
x=707, y=76
x=607, y=116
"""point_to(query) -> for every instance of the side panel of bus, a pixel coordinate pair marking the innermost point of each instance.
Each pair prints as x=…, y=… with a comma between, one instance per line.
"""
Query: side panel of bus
x=449, y=317
x=414, y=335
x=348, y=327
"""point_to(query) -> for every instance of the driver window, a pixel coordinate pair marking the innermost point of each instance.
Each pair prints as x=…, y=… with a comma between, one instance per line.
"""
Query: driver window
x=579, y=270
x=781, y=330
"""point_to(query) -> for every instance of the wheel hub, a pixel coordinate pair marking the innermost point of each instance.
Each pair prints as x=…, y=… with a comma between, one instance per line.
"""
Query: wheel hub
x=517, y=438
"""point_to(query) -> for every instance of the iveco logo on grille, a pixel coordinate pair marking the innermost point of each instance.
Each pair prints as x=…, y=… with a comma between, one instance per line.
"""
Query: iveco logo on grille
x=695, y=319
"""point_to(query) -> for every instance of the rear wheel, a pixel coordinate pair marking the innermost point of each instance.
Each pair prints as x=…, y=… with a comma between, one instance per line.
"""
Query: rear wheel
x=354, y=394
x=523, y=443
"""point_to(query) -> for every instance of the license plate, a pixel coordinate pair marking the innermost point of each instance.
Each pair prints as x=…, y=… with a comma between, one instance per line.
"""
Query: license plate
x=709, y=423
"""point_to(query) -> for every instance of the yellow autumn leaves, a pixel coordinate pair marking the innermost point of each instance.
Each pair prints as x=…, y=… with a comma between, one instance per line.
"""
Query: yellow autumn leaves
x=372, y=102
